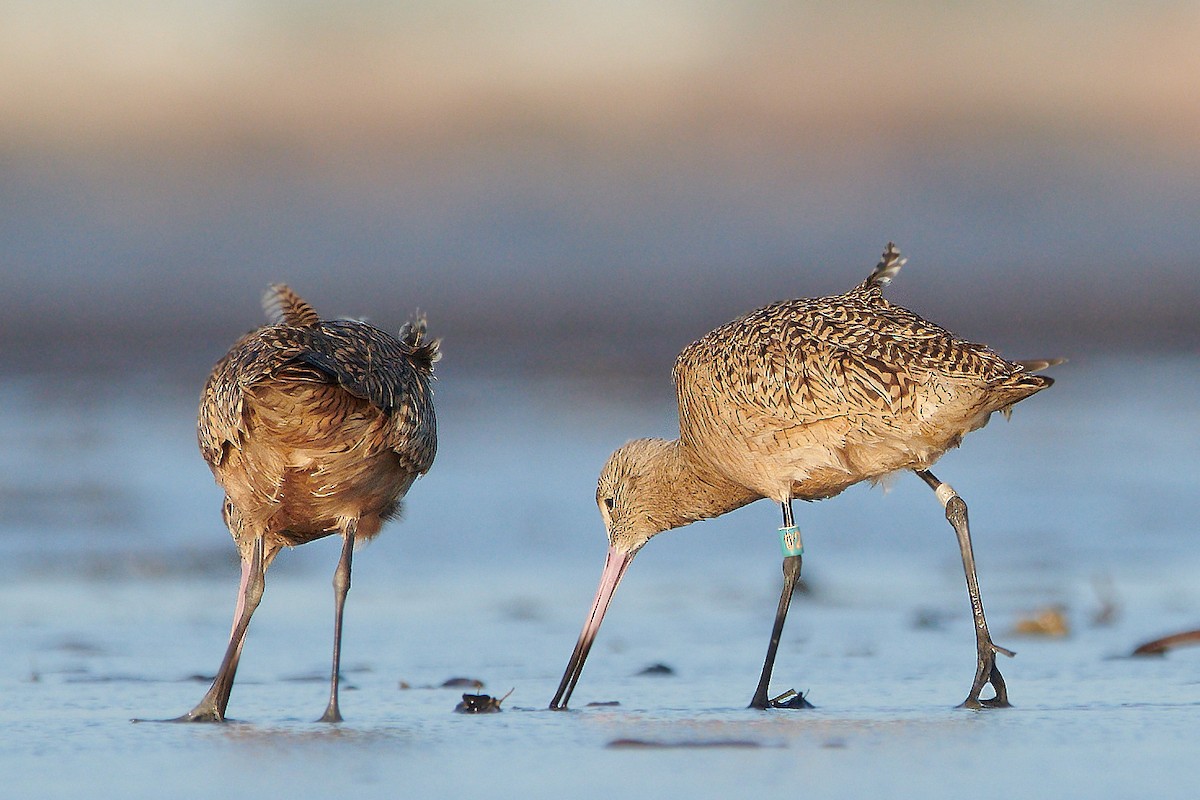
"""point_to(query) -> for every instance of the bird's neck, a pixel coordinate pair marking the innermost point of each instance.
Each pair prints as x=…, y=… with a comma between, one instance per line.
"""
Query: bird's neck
x=683, y=489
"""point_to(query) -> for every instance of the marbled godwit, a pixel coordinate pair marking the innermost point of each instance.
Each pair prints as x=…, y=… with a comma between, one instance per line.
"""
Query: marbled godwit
x=800, y=400
x=312, y=428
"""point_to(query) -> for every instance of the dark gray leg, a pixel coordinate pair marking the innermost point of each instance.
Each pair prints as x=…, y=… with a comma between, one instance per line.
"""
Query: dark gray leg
x=211, y=707
x=986, y=670
x=341, y=587
x=791, y=573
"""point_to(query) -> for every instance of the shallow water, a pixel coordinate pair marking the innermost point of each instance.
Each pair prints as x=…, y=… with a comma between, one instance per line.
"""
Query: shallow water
x=119, y=584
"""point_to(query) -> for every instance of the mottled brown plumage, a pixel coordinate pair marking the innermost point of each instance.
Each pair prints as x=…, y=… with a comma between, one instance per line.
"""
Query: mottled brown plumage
x=804, y=398
x=800, y=400
x=312, y=428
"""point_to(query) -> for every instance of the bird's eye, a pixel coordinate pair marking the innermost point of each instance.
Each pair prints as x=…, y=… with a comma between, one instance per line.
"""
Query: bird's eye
x=608, y=503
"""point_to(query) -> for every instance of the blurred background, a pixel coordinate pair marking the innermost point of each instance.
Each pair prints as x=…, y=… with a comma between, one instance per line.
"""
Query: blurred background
x=573, y=191
x=588, y=186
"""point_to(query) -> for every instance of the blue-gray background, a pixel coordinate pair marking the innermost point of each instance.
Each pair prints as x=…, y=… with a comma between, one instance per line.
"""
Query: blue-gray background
x=580, y=182
x=573, y=191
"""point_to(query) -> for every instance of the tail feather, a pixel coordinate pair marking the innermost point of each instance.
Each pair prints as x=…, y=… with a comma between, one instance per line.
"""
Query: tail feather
x=285, y=307
x=1039, y=364
x=887, y=268
x=425, y=351
x=1018, y=386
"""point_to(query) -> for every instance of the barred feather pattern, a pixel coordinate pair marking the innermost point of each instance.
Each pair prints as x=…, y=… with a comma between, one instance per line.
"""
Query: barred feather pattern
x=307, y=423
x=803, y=398
x=423, y=351
x=888, y=267
x=285, y=307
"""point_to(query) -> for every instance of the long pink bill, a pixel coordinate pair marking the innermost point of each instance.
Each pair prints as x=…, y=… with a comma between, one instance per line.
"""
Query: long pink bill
x=615, y=565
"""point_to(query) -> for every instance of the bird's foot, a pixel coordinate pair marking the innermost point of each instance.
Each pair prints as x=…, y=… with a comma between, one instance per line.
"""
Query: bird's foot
x=790, y=699
x=211, y=708
x=986, y=672
x=977, y=704
x=195, y=715
x=199, y=714
x=331, y=715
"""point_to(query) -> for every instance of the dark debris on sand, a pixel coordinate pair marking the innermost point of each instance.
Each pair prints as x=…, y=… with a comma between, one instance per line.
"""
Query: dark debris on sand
x=658, y=670
x=1159, y=647
x=480, y=704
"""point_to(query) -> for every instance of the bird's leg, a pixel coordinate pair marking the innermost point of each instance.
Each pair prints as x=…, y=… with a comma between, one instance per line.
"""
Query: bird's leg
x=986, y=670
x=341, y=587
x=211, y=707
x=793, y=559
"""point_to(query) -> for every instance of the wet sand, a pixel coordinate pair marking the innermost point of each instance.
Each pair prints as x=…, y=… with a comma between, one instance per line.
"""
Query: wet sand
x=119, y=583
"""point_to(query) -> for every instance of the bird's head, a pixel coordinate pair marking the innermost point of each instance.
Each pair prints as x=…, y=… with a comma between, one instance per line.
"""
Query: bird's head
x=645, y=488
x=631, y=493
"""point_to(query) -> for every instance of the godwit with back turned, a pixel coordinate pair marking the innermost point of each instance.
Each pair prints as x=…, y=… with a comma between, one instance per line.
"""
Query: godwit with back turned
x=312, y=428
x=800, y=400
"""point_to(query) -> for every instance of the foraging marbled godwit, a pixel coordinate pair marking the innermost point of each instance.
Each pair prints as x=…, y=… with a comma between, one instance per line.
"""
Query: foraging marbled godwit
x=312, y=428
x=800, y=400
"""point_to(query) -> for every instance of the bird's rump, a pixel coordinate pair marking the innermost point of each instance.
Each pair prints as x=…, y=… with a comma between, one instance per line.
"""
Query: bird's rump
x=311, y=456
x=363, y=362
x=308, y=424
x=311, y=428
x=823, y=392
